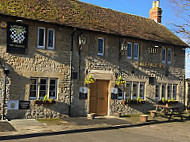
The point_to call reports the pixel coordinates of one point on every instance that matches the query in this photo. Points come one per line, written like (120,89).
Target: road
(171,132)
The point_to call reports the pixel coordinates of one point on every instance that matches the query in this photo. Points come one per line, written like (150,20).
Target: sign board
(17,37)
(114,92)
(13,105)
(83,93)
(24,104)
(187,63)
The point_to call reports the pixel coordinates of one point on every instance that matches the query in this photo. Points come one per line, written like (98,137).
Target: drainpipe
(71,68)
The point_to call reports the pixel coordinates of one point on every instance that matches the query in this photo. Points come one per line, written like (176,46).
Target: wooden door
(99,97)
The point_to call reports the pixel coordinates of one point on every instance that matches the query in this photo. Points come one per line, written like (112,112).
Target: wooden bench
(154,113)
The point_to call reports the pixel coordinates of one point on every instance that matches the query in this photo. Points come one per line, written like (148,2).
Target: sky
(141,8)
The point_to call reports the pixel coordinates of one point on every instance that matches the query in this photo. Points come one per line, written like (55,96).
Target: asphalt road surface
(172,132)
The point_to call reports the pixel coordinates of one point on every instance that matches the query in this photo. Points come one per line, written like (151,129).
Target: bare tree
(182,8)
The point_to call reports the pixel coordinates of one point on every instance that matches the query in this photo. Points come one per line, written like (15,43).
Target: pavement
(28,128)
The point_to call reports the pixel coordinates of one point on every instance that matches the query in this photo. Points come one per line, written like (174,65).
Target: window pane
(100,46)
(128,90)
(163,90)
(157,92)
(169,55)
(164,55)
(51,38)
(135,89)
(33,88)
(141,90)
(174,92)
(43,87)
(41,37)
(120,94)
(53,88)
(129,51)
(169,91)
(136,51)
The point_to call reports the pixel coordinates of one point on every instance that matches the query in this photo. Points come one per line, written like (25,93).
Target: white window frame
(48,47)
(55,88)
(129,57)
(169,49)
(41,47)
(101,54)
(164,61)
(136,58)
(33,98)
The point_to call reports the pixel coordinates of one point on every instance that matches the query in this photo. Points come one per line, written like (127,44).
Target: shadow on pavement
(24,136)
(6,126)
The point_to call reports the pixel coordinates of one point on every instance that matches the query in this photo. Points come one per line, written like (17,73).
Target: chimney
(156,12)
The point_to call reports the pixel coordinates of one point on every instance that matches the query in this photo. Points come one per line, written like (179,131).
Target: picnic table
(170,111)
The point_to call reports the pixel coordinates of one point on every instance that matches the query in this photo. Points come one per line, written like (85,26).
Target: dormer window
(129,50)
(164,55)
(169,55)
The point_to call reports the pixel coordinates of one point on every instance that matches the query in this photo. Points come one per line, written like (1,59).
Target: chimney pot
(157,3)
(153,4)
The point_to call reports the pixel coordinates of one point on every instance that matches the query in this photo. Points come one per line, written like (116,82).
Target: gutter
(71,70)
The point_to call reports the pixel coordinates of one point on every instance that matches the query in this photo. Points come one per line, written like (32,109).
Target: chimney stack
(156,12)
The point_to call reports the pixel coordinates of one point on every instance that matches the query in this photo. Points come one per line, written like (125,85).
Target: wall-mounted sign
(151,65)
(24,104)
(114,92)
(152,50)
(17,37)
(13,105)
(83,93)
(3,24)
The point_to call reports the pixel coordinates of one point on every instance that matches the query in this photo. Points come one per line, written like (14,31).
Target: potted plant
(45,100)
(120,81)
(90,80)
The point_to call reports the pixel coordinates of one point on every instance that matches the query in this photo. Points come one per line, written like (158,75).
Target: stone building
(50,48)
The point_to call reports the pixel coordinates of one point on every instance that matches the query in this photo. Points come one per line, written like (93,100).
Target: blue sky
(139,7)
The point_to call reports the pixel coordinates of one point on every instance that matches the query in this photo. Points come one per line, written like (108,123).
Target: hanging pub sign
(83,93)
(17,37)
(114,92)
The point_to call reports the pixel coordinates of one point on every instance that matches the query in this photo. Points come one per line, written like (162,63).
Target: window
(52,88)
(169,91)
(43,87)
(163,91)
(129,50)
(163,55)
(175,92)
(128,90)
(33,88)
(135,90)
(41,38)
(136,51)
(46,86)
(169,56)
(100,46)
(120,94)
(51,39)
(141,95)
(157,95)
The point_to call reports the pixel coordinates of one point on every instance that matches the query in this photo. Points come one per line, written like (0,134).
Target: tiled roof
(82,15)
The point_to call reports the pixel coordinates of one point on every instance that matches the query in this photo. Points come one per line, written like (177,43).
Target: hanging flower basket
(120,81)
(90,80)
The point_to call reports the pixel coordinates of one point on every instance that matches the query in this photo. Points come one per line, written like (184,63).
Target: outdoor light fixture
(82,40)
(19,21)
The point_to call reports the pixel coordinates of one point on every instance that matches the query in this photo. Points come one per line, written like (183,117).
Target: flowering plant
(90,80)
(120,81)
